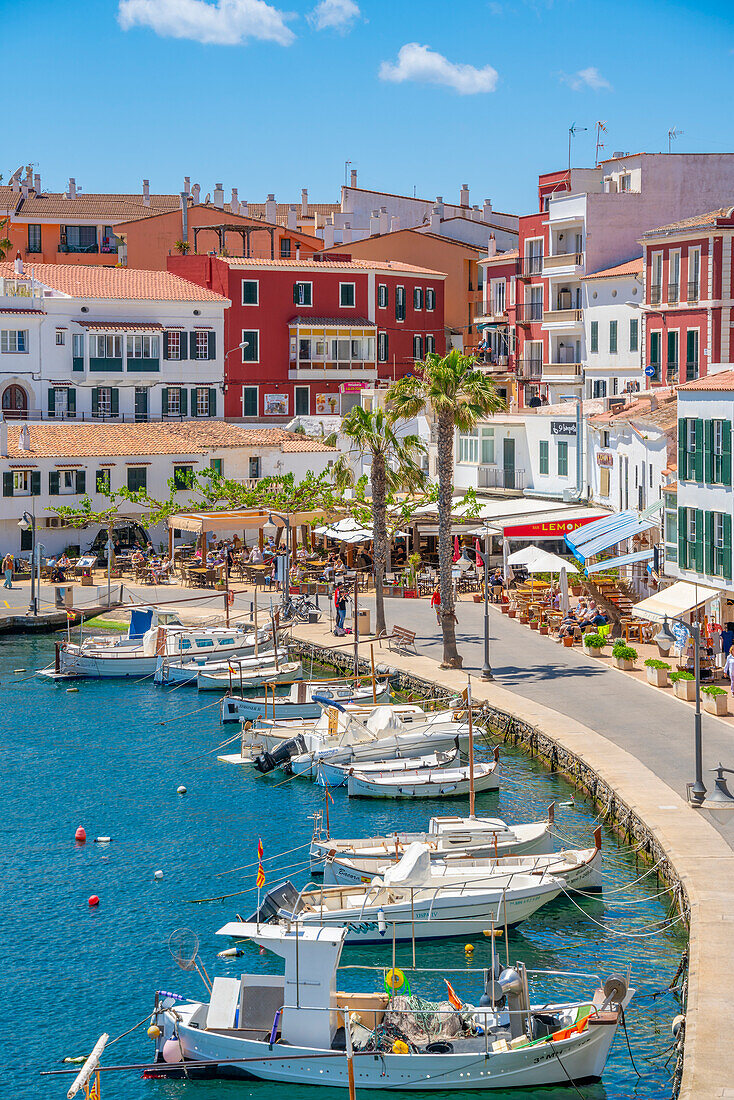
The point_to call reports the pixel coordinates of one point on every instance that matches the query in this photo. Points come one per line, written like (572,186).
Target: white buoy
(230,953)
(181,789)
(69,691)
(102,839)
(158,875)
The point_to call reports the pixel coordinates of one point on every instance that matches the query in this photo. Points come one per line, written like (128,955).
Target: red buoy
(94,900)
(80,835)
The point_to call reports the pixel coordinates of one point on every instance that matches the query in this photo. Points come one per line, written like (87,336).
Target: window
(487,447)
(430,298)
(104,401)
(694,274)
(673,278)
(285,249)
(79,238)
(215,464)
(254,467)
(14,340)
(146,347)
(251,291)
(634,334)
(21,482)
(174,402)
(202,404)
(562,458)
(249,400)
(173,343)
(594,335)
(655,356)
(468,447)
(612,337)
(302,400)
(672,351)
(34,238)
(60,338)
(201,345)
(346,294)
(399,303)
(77,345)
(417,297)
(251,350)
(137,479)
(691,354)
(430,344)
(417,347)
(382,301)
(102,346)
(656,280)
(183,477)
(102,481)
(625,182)
(382,347)
(543,462)
(303,294)
(67,481)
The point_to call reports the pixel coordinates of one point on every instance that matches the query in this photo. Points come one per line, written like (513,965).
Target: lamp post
(27,522)
(272,530)
(665,639)
(486,667)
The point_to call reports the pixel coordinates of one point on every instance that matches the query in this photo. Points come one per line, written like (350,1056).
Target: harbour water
(110,757)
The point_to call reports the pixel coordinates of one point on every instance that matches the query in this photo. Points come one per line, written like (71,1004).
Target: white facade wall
(607,300)
(529,440)
(638,455)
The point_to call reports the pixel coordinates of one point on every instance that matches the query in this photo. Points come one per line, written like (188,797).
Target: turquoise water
(110,757)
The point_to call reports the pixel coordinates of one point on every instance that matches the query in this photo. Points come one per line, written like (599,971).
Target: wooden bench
(400,640)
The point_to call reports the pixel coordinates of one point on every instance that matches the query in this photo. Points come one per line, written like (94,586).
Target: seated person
(569,626)
(398,555)
(57,574)
(255,556)
(497,585)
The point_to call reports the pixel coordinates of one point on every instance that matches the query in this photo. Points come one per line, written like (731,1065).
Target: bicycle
(301,608)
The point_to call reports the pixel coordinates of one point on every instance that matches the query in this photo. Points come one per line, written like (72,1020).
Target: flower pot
(685,689)
(534,624)
(410,593)
(594,650)
(575,589)
(716,704)
(568,640)
(505,608)
(476,596)
(543,629)
(512,613)
(524,619)
(626,666)
(658,677)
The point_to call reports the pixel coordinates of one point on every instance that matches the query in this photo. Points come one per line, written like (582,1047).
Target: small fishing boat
(336,775)
(299,701)
(224,676)
(429,782)
(580,868)
(296,1027)
(176,671)
(472,837)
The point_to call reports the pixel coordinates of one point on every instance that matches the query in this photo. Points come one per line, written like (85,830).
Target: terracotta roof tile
(629,267)
(345,322)
(89,281)
(724,380)
(106,439)
(703,221)
(334,265)
(112,208)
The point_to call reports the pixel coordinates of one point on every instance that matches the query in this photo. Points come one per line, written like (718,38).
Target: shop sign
(550,529)
(563,427)
(276,404)
(603,458)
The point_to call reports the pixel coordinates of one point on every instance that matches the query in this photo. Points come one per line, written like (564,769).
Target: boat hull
(485,779)
(206,681)
(237,710)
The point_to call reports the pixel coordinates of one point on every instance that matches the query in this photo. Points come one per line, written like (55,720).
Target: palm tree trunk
(445,448)
(379,528)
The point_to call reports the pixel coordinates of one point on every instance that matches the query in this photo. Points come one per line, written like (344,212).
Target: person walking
(436,603)
(729,668)
(8,567)
(340,603)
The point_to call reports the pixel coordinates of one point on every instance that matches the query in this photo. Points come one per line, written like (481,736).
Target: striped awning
(623,559)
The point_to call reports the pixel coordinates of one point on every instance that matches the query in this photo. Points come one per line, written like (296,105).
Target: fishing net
(417,1022)
(184,946)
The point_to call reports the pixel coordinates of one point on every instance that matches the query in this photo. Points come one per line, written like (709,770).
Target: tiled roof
(89,281)
(333,265)
(512,254)
(70,440)
(345,322)
(724,380)
(9,198)
(698,221)
(663,416)
(121,326)
(111,208)
(629,267)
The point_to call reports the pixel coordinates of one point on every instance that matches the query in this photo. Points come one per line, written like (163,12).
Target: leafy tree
(5,243)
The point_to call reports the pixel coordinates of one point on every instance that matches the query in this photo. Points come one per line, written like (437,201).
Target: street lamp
(665,639)
(272,530)
(28,523)
(486,667)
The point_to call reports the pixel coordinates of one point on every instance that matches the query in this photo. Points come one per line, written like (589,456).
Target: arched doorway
(15,402)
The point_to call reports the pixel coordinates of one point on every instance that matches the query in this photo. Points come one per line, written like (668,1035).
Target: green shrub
(712,689)
(676,676)
(653,662)
(594,641)
(624,653)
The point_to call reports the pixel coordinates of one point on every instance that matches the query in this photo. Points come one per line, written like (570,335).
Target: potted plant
(534,624)
(505,607)
(593,644)
(715,700)
(511,612)
(684,685)
(657,672)
(568,640)
(543,629)
(524,617)
(624,657)
(477,597)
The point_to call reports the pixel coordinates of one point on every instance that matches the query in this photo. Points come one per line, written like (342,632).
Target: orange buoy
(80,835)
(94,901)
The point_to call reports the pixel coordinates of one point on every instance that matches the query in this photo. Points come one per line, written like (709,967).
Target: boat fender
(102,839)
(171,1051)
(158,876)
(93,901)
(154,1032)
(677,1024)
(381,922)
(469,948)
(72,691)
(230,953)
(399,1047)
(181,789)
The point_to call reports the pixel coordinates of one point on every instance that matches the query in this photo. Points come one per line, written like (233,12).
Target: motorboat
(185,671)
(336,775)
(580,868)
(299,702)
(406,905)
(425,782)
(300,1028)
(228,674)
(472,837)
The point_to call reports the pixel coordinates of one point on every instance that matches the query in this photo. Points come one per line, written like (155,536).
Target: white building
(44,465)
(81,342)
(613,361)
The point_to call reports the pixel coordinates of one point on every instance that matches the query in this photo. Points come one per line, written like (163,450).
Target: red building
(688,297)
(300,332)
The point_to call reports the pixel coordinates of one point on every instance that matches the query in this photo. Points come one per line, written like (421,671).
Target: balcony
(527,312)
(331,370)
(656,295)
(530,370)
(671,372)
(530,265)
(561,370)
(497,477)
(672,294)
(691,369)
(492,363)
(86,248)
(563,263)
(562,316)
(694,291)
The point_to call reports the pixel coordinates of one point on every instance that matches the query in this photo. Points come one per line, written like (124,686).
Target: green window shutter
(710,556)
(295,294)
(699,541)
(682,435)
(81,482)
(51,401)
(612,336)
(35,483)
(683,538)
(95,401)
(212,345)
(727,546)
(53,483)
(726,452)
(165,345)
(183,401)
(115,402)
(164,401)
(594,335)
(212,400)
(193,402)
(71,402)
(698,453)
(8,484)
(708,453)
(184,345)
(634,338)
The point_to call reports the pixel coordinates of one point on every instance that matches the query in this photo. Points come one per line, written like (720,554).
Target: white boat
(298,1028)
(300,703)
(438,782)
(580,868)
(336,775)
(186,671)
(226,675)
(470,836)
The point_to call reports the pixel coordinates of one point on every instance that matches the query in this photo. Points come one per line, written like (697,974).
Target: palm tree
(394,468)
(458,395)
(5,243)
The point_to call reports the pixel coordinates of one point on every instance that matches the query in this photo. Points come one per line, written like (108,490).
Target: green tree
(393,469)
(458,395)
(5,243)
(182,247)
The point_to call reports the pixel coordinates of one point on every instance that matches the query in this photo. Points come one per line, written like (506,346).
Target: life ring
(230,597)
(396,982)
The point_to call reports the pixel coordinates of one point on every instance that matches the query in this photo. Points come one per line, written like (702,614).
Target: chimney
(184,216)
(146,192)
(24,189)
(438,207)
(271,210)
(347,233)
(435,222)
(298,250)
(487,210)
(18,265)
(374,223)
(384,220)
(24,439)
(304,203)
(37,183)
(492,245)
(195,192)
(234,203)
(72,187)
(329,235)
(187,184)
(292,216)
(394,223)
(476,214)
(218,196)
(464,197)
(3,438)
(244,209)
(353,178)
(29,174)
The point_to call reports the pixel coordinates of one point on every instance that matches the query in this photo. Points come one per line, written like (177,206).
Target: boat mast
(471,748)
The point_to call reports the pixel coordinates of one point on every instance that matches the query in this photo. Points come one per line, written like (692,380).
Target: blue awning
(614,563)
(592,538)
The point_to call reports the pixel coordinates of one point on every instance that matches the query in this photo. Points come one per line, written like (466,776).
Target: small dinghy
(186,672)
(438,782)
(227,675)
(299,702)
(336,775)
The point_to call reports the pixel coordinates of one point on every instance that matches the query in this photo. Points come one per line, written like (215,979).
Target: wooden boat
(224,677)
(439,782)
(299,701)
(185,672)
(336,775)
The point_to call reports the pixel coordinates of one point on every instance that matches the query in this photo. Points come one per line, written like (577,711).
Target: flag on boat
(453,999)
(260,848)
(69,614)
(260,872)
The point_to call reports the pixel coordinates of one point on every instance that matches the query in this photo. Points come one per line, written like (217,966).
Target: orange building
(462,288)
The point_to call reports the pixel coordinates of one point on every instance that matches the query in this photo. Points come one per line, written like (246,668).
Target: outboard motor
(513,983)
(283,896)
(267,761)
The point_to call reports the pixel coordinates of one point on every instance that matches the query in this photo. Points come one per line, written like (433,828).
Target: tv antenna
(673,133)
(601,128)
(572,131)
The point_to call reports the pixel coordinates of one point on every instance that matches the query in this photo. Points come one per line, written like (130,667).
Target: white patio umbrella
(506,570)
(563,584)
(524,555)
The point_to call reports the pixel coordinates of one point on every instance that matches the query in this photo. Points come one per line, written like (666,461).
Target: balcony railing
(691,369)
(530,265)
(694,291)
(568,316)
(497,477)
(490,362)
(672,294)
(528,311)
(87,417)
(529,369)
(563,259)
(562,370)
(64,247)
(656,295)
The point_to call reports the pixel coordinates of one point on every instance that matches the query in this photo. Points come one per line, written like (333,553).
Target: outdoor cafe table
(202,575)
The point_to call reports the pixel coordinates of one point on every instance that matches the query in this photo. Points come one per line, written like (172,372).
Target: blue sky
(268,97)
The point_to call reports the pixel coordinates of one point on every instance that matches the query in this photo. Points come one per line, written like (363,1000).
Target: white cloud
(586,78)
(424,65)
(334,15)
(223,23)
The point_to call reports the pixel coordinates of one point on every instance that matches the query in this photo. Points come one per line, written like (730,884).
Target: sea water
(111,756)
